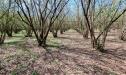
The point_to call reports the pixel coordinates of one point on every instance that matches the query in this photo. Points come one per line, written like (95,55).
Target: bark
(55,34)
(123,34)
(85,34)
(9,33)
(61,31)
(42,43)
(29,33)
(2,38)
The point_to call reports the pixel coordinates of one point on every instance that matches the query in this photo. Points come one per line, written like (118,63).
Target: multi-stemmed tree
(40,15)
(104,16)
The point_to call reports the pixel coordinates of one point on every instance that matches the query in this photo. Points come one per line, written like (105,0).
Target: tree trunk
(9,33)
(100,43)
(55,34)
(85,34)
(2,38)
(61,31)
(123,34)
(98,46)
(42,43)
(29,33)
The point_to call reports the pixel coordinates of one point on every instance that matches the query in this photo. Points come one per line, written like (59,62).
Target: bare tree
(59,24)
(98,42)
(123,29)
(40,15)
(4,19)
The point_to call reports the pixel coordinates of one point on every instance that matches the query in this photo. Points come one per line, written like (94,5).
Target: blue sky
(73,9)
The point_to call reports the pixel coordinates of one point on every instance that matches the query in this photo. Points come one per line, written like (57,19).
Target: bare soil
(73,56)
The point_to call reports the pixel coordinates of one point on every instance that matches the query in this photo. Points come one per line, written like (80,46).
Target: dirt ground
(73,56)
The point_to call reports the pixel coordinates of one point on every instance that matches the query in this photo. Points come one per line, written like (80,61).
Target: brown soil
(74,56)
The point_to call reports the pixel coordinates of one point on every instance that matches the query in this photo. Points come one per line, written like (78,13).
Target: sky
(73,9)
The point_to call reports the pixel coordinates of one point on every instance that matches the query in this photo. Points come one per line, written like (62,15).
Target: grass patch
(20,39)
(17,38)
(53,42)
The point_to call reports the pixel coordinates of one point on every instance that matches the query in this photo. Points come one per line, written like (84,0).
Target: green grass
(53,42)
(20,39)
(17,38)
(14,40)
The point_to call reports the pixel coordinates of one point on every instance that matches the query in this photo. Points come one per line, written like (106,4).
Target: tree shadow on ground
(53,46)
(118,53)
(88,61)
(85,61)
(114,40)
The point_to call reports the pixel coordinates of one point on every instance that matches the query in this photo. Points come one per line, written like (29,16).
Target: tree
(40,15)
(93,16)
(81,25)
(4,19)
(59,24)
(123,29)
